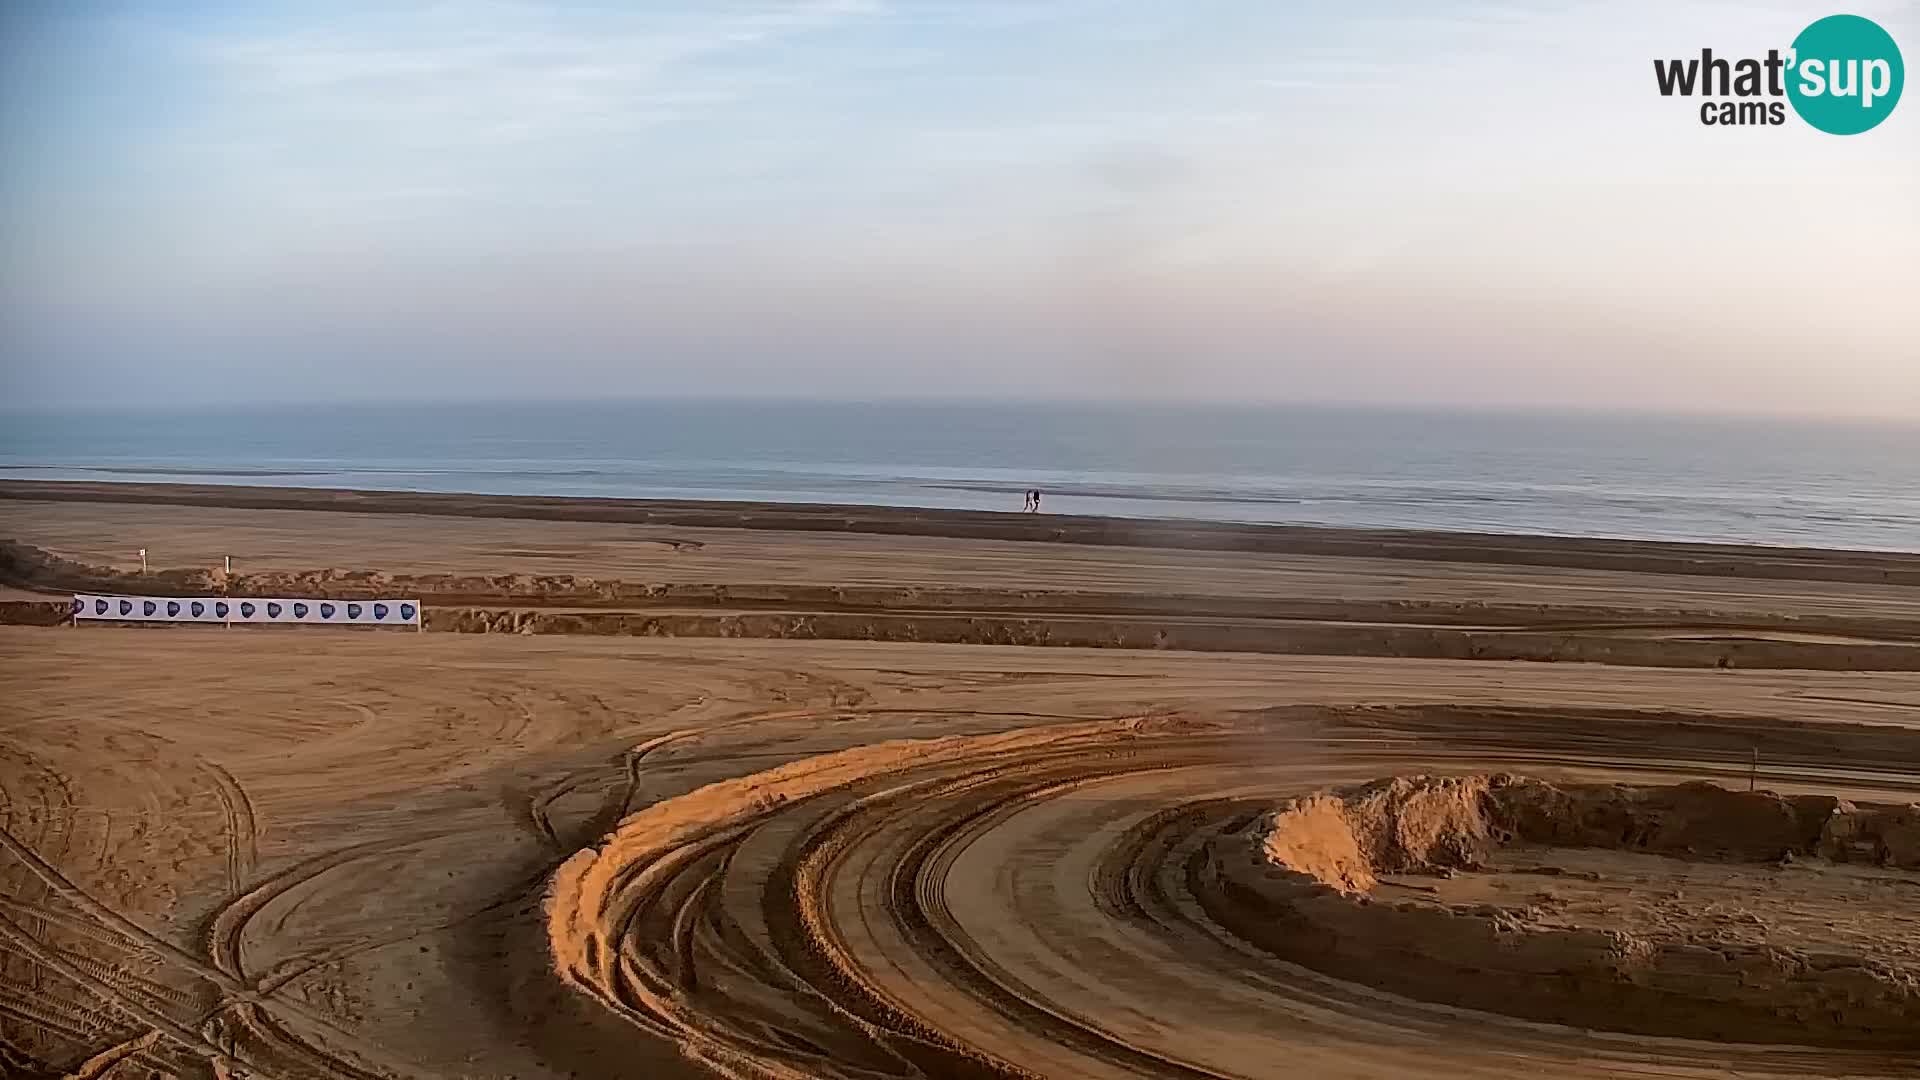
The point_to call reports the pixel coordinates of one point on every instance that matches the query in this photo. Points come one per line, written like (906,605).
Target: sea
(1661,477)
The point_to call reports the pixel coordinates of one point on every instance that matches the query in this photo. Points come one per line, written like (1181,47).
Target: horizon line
(970,400)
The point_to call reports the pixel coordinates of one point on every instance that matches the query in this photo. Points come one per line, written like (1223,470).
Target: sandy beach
(626,839)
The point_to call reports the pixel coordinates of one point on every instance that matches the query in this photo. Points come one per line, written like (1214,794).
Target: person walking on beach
(1026,504)
(1033,501)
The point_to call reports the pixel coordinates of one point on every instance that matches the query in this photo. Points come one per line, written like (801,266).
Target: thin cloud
(519,72)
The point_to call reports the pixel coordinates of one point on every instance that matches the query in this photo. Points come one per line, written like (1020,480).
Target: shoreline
(1645,556)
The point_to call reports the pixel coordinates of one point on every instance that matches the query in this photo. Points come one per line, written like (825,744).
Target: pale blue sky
(1384,203)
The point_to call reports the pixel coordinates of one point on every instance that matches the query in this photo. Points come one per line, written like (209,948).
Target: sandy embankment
(447,855)
(1672,939)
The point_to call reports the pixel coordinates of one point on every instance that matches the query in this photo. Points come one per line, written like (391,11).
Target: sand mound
(1394,825)
(1313,880)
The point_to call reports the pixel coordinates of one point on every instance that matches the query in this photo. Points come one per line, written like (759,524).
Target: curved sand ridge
(1065,901)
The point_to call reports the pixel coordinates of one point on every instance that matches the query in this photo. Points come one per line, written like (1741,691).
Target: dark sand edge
(1644,556)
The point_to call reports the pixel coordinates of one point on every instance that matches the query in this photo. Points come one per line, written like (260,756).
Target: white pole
(143,560)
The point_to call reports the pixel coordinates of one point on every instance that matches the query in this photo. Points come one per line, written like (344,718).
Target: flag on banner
(226,609)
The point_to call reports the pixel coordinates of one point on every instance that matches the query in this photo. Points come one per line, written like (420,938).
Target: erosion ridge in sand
(562,855)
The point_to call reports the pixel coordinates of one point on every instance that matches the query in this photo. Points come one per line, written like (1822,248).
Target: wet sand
(1771,563)
(449,855)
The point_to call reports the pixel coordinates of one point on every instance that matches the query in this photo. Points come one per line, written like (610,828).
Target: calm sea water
(1773,482)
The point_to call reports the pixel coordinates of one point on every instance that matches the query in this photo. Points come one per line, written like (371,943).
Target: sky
(1401,203)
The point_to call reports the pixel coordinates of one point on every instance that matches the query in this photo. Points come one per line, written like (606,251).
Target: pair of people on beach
(1033,501)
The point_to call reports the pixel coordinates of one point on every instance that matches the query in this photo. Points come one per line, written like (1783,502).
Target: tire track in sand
(243,851)
(237,999)
(863,916)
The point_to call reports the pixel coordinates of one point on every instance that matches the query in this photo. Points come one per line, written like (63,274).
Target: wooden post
(143,561)
(1753,774)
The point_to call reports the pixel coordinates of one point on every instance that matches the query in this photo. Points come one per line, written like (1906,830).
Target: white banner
(246,609)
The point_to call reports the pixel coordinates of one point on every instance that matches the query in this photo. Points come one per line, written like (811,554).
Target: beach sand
(316,853)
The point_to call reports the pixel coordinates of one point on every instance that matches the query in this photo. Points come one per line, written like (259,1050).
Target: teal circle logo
(1846,74)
